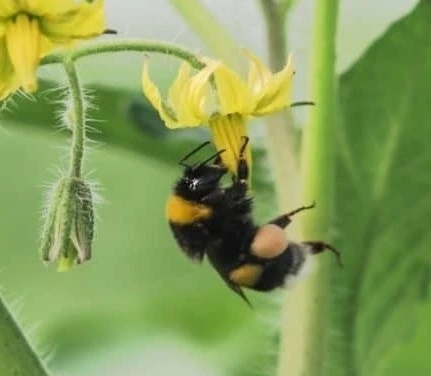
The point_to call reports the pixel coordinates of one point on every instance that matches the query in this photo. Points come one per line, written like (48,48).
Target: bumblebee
(213,220)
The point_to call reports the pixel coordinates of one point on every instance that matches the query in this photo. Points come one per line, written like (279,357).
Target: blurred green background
(140,307)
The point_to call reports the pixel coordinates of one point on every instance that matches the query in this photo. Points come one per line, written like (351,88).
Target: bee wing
(225,276)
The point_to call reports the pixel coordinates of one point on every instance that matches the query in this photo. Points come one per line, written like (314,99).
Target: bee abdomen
(284,269)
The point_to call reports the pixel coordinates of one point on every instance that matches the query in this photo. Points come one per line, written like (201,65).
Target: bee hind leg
(284,219)
(318,247)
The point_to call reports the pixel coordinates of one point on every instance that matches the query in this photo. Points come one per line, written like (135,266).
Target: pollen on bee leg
(269,242)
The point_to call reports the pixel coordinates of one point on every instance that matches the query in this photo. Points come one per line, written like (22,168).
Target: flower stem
(281,134)
(135,45)
(306,316)
(78,119)
(215,36)
(17,358)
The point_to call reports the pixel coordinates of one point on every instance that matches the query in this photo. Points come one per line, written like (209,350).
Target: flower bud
(69,227)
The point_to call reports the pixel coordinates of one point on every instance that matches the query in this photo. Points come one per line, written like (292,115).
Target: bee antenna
(183,164)
(210,158)
(182,161)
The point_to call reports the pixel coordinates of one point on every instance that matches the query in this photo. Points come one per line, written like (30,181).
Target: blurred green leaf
(118,117)
(138,284)
(384,196)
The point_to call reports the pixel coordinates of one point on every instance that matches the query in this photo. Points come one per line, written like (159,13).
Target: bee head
(202,178)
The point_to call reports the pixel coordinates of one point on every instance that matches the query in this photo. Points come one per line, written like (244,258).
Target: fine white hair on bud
(69,223)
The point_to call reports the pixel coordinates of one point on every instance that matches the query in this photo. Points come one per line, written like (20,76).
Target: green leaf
(384,195)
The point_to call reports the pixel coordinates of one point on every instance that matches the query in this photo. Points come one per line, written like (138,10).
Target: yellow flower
(29,29)
(192,100)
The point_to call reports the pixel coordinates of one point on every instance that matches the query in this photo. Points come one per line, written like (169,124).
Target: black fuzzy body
(208,219)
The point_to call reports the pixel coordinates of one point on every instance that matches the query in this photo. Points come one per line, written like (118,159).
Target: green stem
(215,36)
(281,133)
(121,46)
(17,358)
(78,119)
(307,311)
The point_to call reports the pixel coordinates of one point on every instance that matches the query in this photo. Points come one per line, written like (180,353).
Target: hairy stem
(131,45)
(78,119)
(17,358)
(306,315)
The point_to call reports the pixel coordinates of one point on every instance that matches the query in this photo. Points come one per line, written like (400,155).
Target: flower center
(23,38)
(227,133)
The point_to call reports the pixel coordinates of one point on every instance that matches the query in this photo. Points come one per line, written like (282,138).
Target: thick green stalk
(215,36)
(17,358)
(281,134)
(306,316)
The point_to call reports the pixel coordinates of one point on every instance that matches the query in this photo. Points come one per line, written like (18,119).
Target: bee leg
(215,197)
(242,168)
(237,192)
(318,247)
(283,220)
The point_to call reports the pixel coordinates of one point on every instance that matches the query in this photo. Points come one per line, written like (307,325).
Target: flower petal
(8,81)
(177,99)
(153,95)
(258,74)
(179,86)
(40,7)
(277,94)
(78,21)
(2,28)
(8,8)
(233,94)
(227,133)
(196,96)
(23,46)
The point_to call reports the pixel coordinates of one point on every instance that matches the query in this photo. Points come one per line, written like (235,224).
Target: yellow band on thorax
(181,211)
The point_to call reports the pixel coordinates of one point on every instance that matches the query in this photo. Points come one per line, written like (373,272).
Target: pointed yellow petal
(153,95)
(187,101)
(43,7)
(79,21)
(8,8)
(227,133)
(233,94)
(45,46)
(196,96)
(179,86)
(8,80)
(277,94)
(2,30)
(23,45)
(258,74)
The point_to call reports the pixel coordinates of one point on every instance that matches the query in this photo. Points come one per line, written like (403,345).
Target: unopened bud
(69,227)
